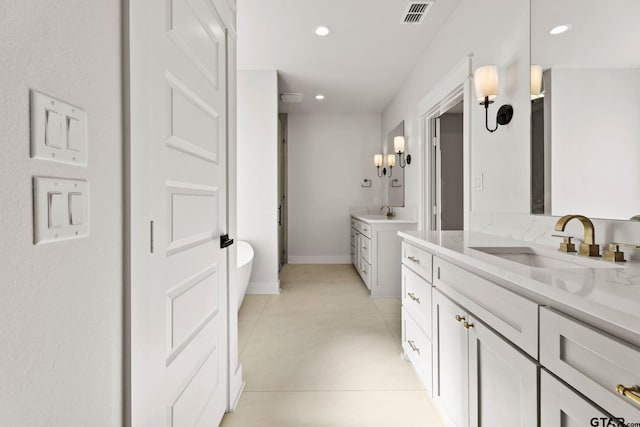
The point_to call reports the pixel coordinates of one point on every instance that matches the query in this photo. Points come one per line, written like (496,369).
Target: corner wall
(258,174)
(61,309)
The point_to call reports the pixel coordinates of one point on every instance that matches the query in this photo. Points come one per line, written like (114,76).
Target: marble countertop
(382,219)
(604,290)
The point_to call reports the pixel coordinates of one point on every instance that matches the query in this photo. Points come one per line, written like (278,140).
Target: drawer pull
(459,318)
(414,259)
(630,392)
(413,346)
(364,247)
(414,297)
(467,325)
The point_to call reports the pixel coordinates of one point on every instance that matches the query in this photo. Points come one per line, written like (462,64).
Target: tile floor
(325,354)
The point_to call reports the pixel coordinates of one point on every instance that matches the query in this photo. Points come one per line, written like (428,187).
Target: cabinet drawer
(562,407)
(365,249)
(365,272)
(418,260)
(361,227)
(354,237)
(591,361)
(417,347)
(416,299)
(512,315)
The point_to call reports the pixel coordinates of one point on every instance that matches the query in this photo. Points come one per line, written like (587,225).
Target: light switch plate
(58,130)
(60,209)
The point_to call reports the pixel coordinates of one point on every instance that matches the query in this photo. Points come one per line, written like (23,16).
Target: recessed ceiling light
(321,31)
(319,97)
(560,29)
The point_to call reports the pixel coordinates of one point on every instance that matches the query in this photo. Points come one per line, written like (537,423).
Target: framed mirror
(585,108)
(395,175)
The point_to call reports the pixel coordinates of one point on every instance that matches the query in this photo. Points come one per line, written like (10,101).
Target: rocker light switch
(56,210)
(61,209)
(76,207)
(54,132)
(75,135)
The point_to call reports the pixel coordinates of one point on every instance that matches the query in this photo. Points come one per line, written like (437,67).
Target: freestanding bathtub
(245,262)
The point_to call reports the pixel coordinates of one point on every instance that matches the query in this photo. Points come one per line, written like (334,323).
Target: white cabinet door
(562,407)
(450,361)
(503,381)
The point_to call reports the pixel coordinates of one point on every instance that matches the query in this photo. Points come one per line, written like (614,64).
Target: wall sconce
(486,82)
(378,163)
(537,91)
(398,148)
(391,162)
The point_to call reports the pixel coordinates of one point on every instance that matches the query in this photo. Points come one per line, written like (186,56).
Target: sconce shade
(377,160)
(536,81)
(391,159)
(485,80)
(398,144)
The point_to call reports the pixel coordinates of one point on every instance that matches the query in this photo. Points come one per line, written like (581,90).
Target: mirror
(395,175)
(585,108)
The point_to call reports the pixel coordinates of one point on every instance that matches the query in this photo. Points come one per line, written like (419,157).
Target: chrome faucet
(588,247)
(390,213)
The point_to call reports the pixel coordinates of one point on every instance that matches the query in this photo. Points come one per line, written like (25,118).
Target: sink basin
(536,258)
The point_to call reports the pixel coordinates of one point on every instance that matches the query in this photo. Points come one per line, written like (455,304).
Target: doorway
(445,139)
(447,168)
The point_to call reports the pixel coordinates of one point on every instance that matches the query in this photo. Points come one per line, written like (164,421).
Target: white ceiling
(359,66)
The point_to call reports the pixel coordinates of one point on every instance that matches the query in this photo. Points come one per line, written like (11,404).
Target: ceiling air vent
(291,98)
(416,11)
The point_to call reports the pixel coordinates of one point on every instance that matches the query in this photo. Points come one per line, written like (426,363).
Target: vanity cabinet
(375,254)
(480,379)
(504,351)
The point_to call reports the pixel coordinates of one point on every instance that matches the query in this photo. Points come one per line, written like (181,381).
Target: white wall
(61,308)
(496,32)
(329,157)
(258,174)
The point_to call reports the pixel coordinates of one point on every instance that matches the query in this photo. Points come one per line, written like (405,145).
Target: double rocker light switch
(58,130)
(60,209)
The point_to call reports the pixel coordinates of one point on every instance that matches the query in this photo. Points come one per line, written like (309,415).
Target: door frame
(137,205)
(455,87)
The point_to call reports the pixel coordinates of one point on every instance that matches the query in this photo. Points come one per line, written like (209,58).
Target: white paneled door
(181,379)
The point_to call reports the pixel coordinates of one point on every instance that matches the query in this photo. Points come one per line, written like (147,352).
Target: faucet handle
(614,253)
(566,245)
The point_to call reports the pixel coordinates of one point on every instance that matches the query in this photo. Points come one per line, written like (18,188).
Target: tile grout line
(255,324)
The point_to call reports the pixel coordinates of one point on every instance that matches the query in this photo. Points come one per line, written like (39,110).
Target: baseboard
(236,389)
(264,288)
(329,259)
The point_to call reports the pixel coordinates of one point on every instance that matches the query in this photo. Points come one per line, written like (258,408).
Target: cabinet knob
(459,318)
(630,392)
(467,325)
(414,297)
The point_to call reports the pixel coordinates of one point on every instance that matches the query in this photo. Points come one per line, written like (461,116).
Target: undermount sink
(537,258)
